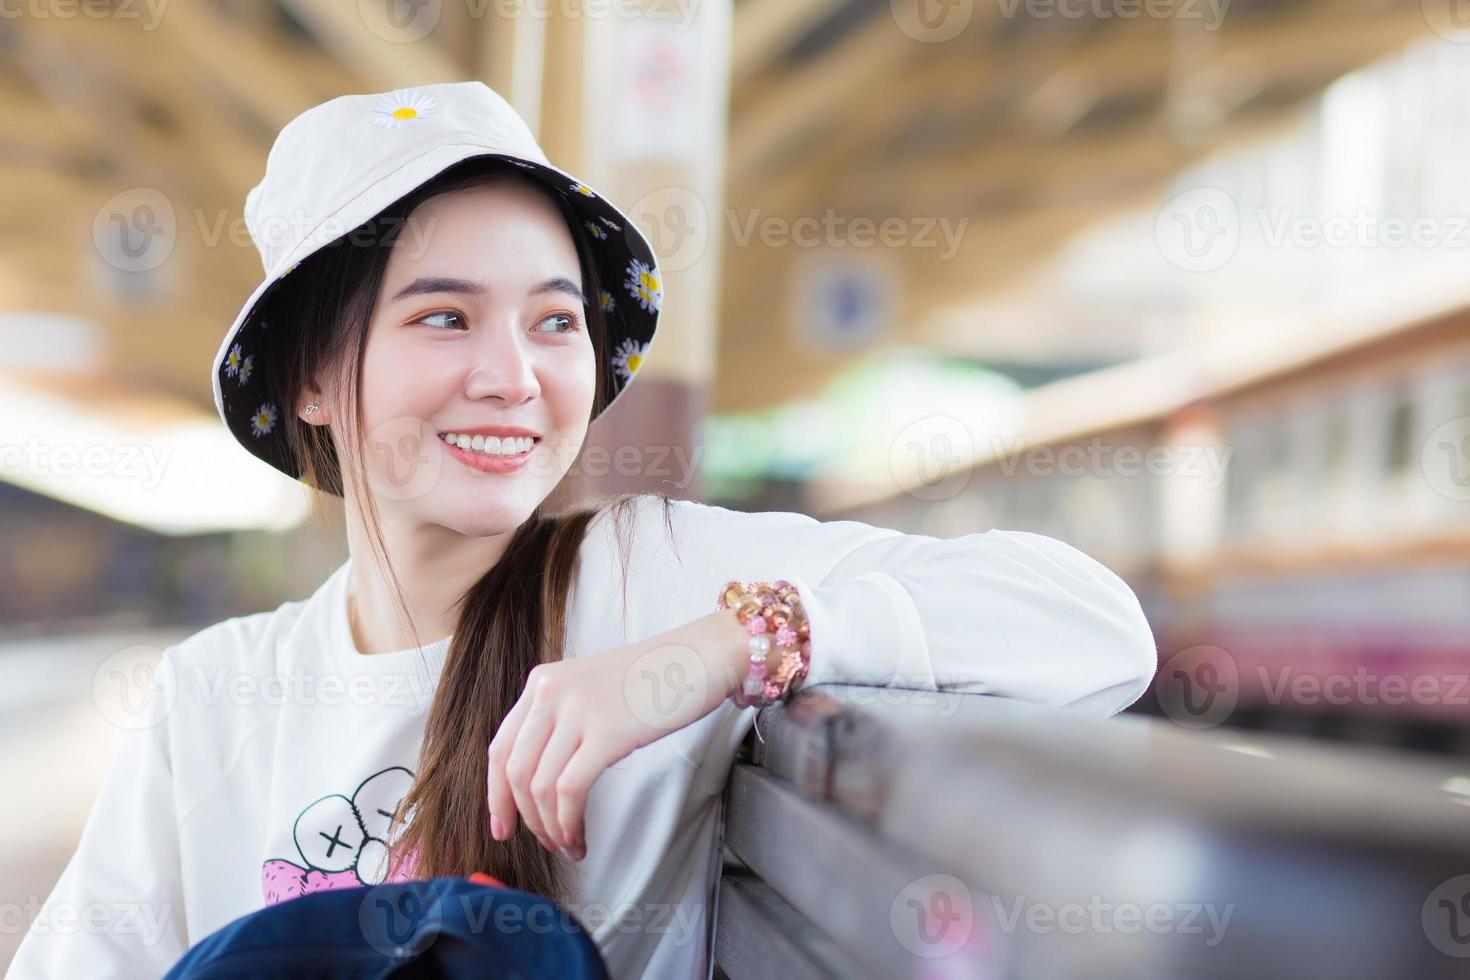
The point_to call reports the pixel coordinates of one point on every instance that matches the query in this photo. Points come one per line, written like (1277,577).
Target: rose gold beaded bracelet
(780,638)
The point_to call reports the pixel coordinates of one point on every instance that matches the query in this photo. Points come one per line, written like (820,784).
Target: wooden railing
(880,833)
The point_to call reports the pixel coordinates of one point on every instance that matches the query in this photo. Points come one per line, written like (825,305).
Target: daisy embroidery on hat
(232,362)
(245,368)
(595,230)
(605,298)
(583,189)
(644,284)
(629,358)
(396,108)
(264,420)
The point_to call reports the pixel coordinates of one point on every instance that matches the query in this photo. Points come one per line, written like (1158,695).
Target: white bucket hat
(340,163)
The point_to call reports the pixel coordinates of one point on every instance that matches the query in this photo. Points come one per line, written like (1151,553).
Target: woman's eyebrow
(444,284)
(560,284)
(438,284)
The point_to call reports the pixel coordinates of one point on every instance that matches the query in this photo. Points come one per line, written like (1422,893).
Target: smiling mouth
(491,447)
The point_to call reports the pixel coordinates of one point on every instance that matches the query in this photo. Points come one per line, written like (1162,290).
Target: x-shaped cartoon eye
(328,834)
(376,801)
(379,797)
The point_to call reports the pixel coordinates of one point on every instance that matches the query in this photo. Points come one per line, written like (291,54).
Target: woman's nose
(503,367)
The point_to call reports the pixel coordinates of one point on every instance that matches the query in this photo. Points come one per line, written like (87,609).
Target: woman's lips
(486,463)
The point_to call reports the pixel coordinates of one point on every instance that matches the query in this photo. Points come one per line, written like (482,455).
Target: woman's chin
(480,515)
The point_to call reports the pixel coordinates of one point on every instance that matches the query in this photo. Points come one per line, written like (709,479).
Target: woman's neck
(434,566)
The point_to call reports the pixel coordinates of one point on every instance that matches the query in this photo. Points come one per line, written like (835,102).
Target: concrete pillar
(637,106)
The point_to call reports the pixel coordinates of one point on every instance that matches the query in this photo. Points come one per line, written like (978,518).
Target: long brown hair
(514,617)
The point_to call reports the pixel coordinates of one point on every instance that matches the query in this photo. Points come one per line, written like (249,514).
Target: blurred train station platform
(1185,285)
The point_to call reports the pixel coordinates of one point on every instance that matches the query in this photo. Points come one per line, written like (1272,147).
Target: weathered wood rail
(877,833)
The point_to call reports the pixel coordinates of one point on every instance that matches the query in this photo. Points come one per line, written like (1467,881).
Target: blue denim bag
(437,927)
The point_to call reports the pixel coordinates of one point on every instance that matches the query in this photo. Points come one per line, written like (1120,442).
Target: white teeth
(490,445)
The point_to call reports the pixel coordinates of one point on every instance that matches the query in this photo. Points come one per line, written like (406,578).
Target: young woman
(443,316)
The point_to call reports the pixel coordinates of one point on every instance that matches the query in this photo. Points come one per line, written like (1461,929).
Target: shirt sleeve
(117,910)
(1006,613)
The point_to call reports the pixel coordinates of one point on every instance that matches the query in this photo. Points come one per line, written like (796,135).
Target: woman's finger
(564,740)
(577,777)
(521,764)
(497,786)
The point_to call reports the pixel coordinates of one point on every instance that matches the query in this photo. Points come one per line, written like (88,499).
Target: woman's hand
(577,717)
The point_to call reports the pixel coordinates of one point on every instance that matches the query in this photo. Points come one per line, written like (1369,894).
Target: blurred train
(1294,514)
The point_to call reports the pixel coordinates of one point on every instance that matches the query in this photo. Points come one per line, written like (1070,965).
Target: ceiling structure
(1030,127)
(188,108)
(1027,127)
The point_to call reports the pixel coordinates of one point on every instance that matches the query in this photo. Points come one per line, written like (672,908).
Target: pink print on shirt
(342,842)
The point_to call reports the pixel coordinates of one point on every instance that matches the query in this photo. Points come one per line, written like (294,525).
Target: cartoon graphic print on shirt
(342,842)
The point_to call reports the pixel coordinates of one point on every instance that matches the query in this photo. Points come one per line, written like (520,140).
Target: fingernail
(497,829)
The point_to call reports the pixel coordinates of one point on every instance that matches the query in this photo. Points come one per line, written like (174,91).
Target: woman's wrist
(726,649)
(723,645)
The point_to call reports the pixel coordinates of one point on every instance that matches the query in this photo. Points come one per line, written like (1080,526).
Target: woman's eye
(439,316)
(569,321)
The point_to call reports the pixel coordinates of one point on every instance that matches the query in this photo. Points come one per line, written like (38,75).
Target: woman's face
(480,326)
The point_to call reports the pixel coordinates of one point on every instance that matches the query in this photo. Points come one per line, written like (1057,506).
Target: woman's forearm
(715,648)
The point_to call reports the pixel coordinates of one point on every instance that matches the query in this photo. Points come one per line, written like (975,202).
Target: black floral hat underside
(630,296)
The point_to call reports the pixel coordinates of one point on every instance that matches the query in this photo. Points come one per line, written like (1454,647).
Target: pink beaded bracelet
(780,638)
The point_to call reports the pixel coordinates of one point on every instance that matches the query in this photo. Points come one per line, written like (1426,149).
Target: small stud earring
(312,408)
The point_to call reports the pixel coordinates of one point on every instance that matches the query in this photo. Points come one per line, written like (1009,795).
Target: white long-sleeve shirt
(271,751)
